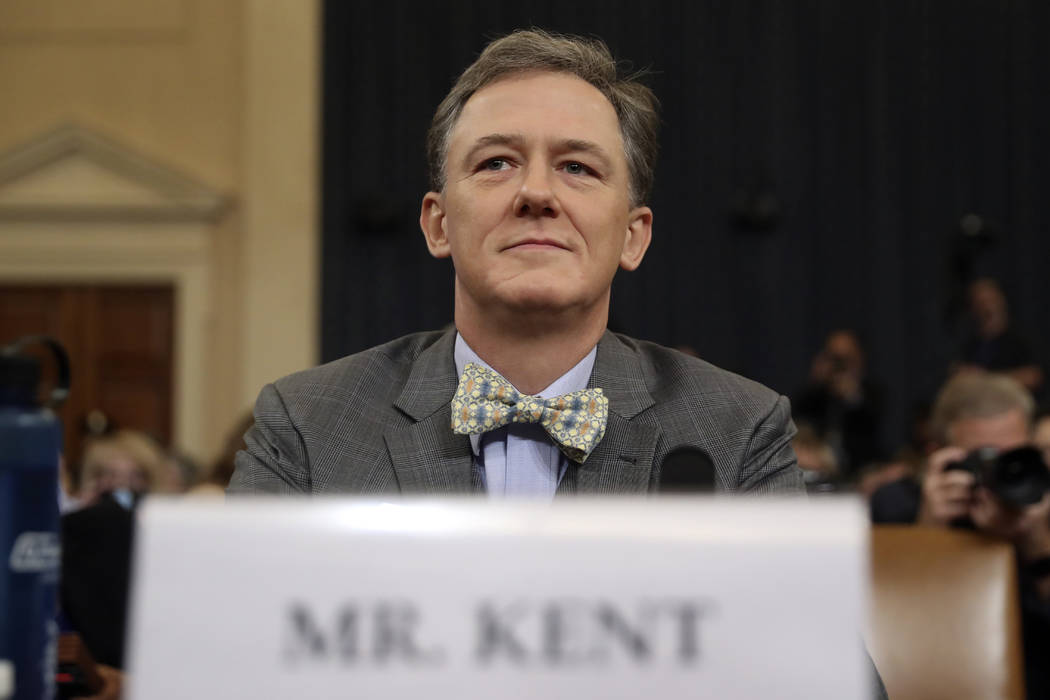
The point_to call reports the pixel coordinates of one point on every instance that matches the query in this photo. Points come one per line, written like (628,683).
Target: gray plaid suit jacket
(378,422)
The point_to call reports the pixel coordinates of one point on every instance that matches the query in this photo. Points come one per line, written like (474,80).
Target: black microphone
(687,470)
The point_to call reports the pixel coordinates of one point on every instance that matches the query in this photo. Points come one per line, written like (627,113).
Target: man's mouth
(537,244)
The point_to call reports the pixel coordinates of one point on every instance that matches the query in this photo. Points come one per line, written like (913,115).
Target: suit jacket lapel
(623,461)
(427,456)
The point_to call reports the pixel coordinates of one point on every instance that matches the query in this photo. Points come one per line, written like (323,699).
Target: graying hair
(978,396)
(524,51)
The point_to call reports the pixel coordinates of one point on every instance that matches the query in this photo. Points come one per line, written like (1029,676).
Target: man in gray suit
(541,161)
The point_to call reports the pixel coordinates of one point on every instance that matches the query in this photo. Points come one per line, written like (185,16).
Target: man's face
(117,471)
(845,352)
(988,304)
(536,212)
(1004,431)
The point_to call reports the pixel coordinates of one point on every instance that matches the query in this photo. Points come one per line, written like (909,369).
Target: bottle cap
(7,679)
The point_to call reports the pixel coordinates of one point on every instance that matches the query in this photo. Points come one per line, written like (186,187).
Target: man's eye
(574,168)
(494,164)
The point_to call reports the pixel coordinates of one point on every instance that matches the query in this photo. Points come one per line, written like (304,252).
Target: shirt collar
(574,380)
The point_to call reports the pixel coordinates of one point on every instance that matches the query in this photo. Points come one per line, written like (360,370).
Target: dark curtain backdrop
(816,160)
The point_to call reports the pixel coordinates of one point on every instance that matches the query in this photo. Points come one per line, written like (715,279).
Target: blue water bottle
(30,554)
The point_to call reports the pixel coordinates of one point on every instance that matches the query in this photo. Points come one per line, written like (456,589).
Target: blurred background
(159,205)
(198,197)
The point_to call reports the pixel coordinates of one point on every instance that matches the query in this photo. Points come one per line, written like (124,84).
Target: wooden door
(120,342)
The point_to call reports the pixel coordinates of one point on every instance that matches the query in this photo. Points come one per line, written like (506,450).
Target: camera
(1019,477)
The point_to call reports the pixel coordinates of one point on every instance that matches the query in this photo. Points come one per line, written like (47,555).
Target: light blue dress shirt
(521,459)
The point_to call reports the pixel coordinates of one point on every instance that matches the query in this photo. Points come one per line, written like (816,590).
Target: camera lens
(1019,477)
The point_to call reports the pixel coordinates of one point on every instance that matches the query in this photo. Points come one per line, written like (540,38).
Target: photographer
(843,406)
(971,413)
(994,345)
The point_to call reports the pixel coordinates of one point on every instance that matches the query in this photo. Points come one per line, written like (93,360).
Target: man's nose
(536,197)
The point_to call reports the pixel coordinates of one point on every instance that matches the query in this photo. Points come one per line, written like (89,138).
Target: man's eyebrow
(515,140)
(589,147)
(518,141)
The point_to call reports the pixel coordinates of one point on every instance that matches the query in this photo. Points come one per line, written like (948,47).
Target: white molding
(133,253)
(175,196)
(133,222)
(92,252)
(80,206)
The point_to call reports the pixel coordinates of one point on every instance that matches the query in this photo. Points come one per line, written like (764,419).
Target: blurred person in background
(179,473)
(903,467)
(116,470)
(842,404)
(976,412)
(125,462)
(907,463)
(993,345)
(1041,434)
(816,459)
(125,459)
(971,411)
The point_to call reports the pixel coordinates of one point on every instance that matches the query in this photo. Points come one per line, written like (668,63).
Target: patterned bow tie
(486,401)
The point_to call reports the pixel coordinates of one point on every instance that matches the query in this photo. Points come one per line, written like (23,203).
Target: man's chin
(541,299)
(540,302)
(538,295)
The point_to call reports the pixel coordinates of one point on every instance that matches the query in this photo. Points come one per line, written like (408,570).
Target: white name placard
(659,598)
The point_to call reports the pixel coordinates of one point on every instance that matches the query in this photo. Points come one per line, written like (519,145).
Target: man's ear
(432,221)
(636,241)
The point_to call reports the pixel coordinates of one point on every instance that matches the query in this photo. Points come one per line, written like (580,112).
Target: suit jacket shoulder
(372,379)
(309,424)
(673,378)
(742,425)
